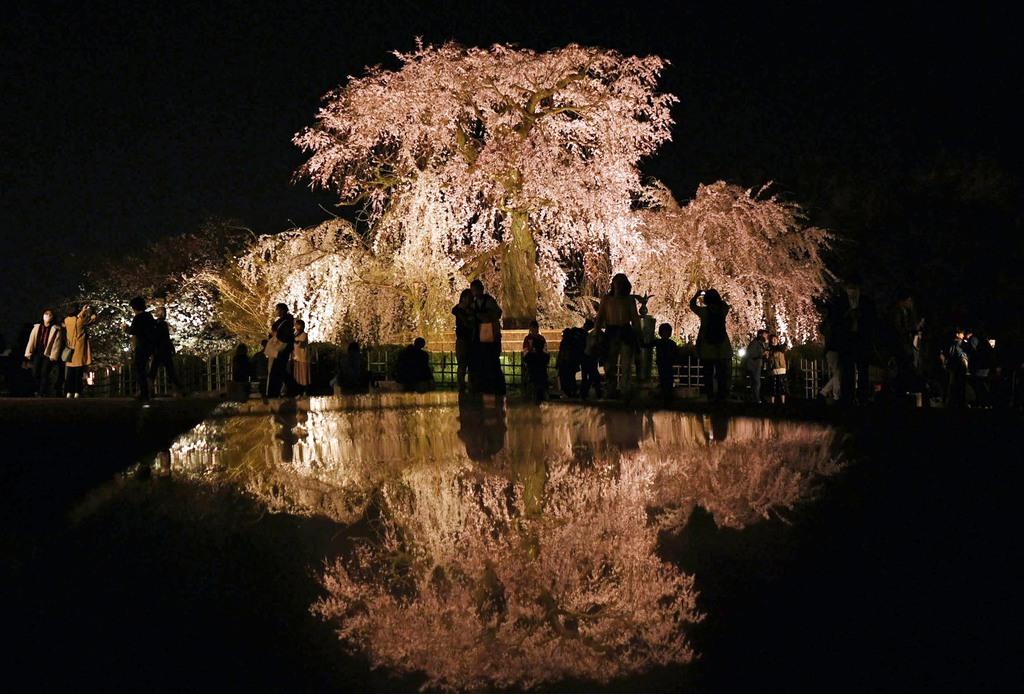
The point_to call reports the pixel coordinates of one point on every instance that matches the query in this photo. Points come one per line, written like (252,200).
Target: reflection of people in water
(481,425)
(715,427)
(719,426)
(625,428)
(286,419)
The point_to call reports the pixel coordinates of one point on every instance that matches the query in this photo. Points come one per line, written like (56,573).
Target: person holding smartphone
(713,346)
(78,352)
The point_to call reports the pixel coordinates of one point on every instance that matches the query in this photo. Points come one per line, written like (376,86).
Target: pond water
(471,544)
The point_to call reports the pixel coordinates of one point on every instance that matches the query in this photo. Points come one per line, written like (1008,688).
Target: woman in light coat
(300,356)
(76,338)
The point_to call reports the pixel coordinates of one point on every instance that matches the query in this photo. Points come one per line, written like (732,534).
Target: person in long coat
(163,351)
(300,356)
(282,335)
(76,337)
(487,377)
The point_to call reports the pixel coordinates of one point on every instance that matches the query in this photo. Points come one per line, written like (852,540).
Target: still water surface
(505,546)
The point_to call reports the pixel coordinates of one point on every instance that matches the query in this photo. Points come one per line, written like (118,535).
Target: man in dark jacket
(283,328)
(570,359)
(666,357)
(853,319)
(163,350)
(412,367)
(143,336)
(487,319)
(956,361)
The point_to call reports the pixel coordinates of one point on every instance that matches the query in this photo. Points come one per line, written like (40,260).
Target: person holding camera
(77,353)
(713,346)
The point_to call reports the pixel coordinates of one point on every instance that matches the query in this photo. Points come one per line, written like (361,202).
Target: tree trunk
(519,273)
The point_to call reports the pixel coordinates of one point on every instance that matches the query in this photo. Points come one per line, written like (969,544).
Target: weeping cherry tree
(500,160)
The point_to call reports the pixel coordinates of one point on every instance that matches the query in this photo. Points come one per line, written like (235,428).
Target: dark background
(893,126)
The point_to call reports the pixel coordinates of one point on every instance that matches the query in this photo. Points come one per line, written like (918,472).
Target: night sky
(123,126)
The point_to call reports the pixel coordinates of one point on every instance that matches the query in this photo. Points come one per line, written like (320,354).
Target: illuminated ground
(474,545)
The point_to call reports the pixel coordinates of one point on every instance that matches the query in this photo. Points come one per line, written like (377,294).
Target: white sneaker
(68,396)
(76,395)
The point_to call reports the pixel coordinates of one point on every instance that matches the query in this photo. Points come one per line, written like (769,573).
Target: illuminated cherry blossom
(497,157)
(754,248)
(328,277)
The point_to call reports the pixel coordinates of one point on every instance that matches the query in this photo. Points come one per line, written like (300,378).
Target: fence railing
(214,373)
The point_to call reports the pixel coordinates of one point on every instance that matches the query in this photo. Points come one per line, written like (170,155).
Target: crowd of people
(620,337)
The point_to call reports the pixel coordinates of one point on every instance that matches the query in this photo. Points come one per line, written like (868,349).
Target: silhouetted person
(908,332)
(163,350)
(241,372)
(666,356)
(593,352)
(280,343)
(487,319)
(713,346)
(143,336)
(617,316)
(981,362)
(465,336)
(43,351)
(533,336)
(833,388)
(954,358)
(777,364)
(353,370)
(536,363)
(754,362)
(260,366)
(854,317)
(412,368)
(570,359)
(241,369)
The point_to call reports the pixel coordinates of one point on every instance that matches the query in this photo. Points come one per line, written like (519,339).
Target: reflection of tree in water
(466,586)
(515,546)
